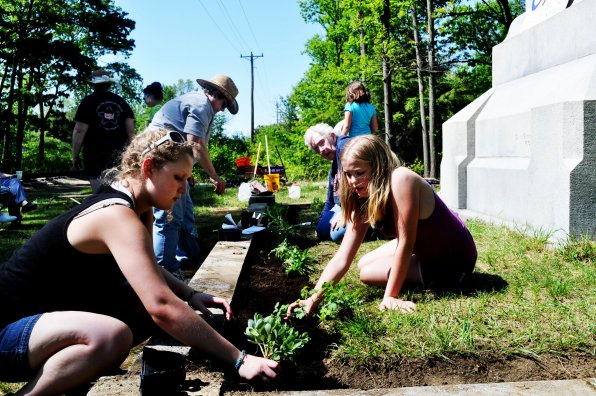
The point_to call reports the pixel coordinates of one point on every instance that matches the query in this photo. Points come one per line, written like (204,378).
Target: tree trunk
(8,121)
(431,87)
(362,46)
(387,75)
(420,90)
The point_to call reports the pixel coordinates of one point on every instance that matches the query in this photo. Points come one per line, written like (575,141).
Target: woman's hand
(202,301)
(336,222)
(255,367)
(397,305)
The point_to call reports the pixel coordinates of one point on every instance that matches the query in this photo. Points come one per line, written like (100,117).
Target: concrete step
(577,387)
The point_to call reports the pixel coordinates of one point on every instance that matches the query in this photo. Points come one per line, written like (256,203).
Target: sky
(190,39)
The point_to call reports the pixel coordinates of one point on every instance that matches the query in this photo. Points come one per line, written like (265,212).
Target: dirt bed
(263,283)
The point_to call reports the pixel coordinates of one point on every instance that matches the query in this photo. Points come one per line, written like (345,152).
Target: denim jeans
(175,241)
(15,187)
(324,231)
(14,348)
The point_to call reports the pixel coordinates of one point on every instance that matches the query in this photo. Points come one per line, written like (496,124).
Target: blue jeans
(324,230)
(15,187)
(175,241)
(14,346)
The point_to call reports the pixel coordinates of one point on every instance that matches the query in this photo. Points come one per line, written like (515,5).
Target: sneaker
(29,207)
(4,218)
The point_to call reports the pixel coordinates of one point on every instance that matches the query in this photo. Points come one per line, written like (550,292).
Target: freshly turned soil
(263,283)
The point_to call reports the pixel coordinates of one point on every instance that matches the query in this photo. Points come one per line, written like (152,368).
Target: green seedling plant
(295,260)
(281,251)
(278,225)
(275,338)
(298,262)
(336,298)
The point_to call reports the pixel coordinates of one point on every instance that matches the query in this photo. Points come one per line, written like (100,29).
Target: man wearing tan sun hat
(190,114)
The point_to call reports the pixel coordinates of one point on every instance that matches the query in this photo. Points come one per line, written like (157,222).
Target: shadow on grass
(476,284)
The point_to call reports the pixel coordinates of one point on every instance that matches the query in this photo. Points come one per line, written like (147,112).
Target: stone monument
(522,154)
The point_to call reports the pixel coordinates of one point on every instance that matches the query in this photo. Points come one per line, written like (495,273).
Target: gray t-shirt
(189,113)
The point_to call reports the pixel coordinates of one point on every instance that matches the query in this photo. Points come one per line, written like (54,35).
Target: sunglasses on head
(170,136)
(218,95)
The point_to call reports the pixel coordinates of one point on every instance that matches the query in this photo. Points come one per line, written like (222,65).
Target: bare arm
(337,266)
(78,135)
(405,193)
(164,299)
(201,154)
(347,123)
(374,124)
(129,124)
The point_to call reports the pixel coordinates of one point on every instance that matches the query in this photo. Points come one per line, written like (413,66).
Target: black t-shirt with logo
(105,113)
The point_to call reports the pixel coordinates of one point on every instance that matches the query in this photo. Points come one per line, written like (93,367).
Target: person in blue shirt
(191,114)
(360,116)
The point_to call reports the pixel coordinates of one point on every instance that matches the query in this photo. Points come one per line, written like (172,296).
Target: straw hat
(226,86)
(100,77)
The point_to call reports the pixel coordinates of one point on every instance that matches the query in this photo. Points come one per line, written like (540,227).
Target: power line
(249,27)
(218,27)
(232,25)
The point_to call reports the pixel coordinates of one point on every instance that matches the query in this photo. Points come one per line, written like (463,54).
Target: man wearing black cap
(104,124)
(191,114)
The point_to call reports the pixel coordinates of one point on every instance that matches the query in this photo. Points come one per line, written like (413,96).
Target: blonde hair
(357,92)
(131,158)
(372,150)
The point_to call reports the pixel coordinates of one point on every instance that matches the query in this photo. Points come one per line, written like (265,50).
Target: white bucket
(244,192)
(294,192)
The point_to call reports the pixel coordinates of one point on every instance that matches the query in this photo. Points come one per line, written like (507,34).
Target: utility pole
(252,93)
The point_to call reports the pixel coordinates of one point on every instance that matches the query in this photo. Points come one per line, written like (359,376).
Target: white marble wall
(523,153)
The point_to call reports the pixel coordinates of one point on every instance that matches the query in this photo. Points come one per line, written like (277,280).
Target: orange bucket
(272,180)
(243,161)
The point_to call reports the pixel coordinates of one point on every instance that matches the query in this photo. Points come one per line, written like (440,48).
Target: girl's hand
(397,305)
(307,305)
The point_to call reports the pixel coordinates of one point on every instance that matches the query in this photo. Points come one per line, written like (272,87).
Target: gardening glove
(397,305)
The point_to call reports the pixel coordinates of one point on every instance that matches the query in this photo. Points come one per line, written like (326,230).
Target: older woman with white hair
(328,142)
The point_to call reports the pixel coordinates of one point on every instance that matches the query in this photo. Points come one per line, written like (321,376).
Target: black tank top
(47,274)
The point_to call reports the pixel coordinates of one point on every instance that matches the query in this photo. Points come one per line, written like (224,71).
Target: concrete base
(578,387)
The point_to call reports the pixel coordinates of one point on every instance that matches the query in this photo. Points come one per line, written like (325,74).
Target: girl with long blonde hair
(430,244)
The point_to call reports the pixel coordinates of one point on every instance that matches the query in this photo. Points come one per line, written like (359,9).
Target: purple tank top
(443,235)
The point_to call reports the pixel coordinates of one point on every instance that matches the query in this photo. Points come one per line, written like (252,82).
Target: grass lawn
(525,298)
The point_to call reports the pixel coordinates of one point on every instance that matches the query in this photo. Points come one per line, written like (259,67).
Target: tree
(49,50)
